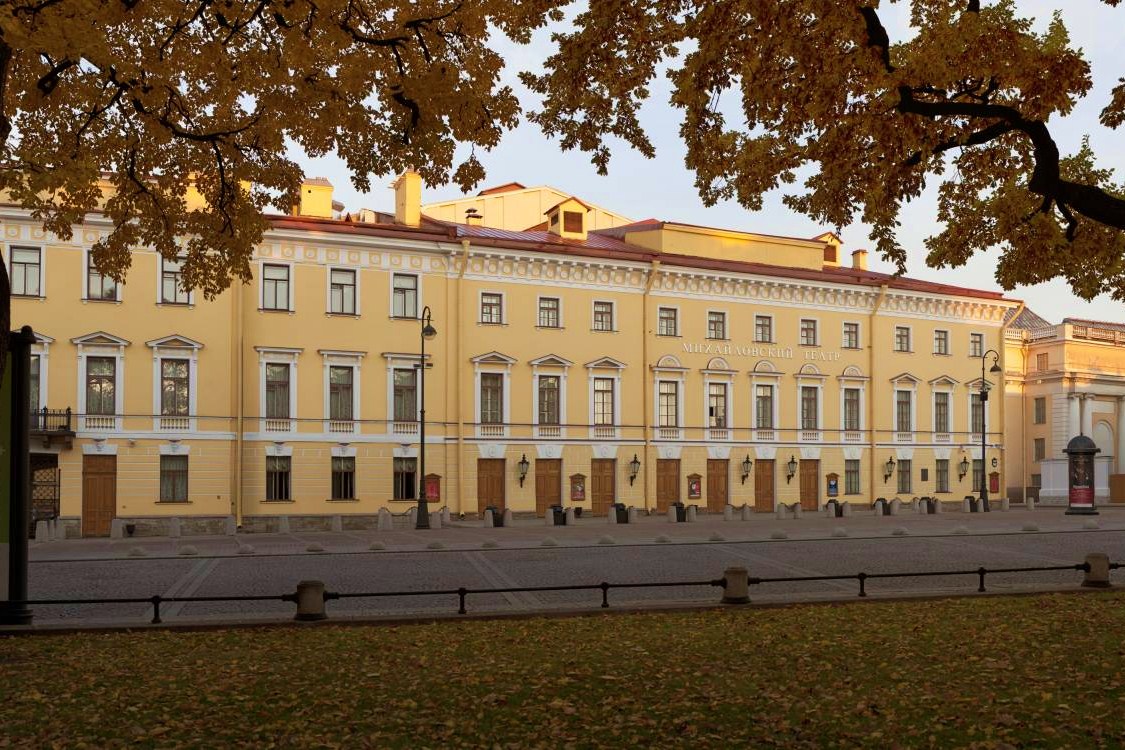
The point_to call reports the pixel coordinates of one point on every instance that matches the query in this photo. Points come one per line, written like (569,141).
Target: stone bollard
(937,505)
(435,519)
(53,530)
(847,509)
(1097,577)
(283,524)
(896,506)
(728,512)
(632,514)
(507,518)
(337,523)
(229,526)
(797,510)
(746,512)
(780,512)
(671,514)
(41,532)
(549,517)
(117,528)
(737,588)
(488,522)
(446,516)
(310,601)
(920,507)
(1005,504)
(412,517)
(689,516)
(175,528)
(966,506)
(570,516)
(1029,503)
(828,511)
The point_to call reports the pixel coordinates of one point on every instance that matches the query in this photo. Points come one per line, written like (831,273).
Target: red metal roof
(507,187)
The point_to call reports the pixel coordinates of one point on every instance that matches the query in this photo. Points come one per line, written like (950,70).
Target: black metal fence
(604,587)
(52,420)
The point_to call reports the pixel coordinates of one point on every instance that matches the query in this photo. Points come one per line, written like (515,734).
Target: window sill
(29,296)
(903,351)
(717,338)
(330,314)
(275,310)
(669,335)
(810,346)
(280,502)
(605,330)
(942,354)
(412,500)
(343,500)
(551,328)
(852,348)
(102,301)
(487,323)
(767,343)
(414,318)
(182,305)
(173,502)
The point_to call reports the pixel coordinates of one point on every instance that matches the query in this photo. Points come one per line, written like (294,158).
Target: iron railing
(604,587)
(51,420)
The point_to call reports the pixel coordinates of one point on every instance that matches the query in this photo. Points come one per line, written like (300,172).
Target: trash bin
(577,512)
(974,504)
(931,505)
(621,511)
(837,508)
(559,514)
(681,512)
(497,515)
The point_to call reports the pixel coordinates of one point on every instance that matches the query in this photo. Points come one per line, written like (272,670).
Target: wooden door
(810,484)
(603,485)
(763,485)
(718,469)
(490,484)
(667,483)
(99,494)
(548,484)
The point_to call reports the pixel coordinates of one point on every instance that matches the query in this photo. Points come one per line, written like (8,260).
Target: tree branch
(877,37)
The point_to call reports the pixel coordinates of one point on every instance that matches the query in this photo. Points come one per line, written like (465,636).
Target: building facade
(644,364)
(1061,381)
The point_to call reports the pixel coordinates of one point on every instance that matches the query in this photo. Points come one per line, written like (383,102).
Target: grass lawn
(989,672)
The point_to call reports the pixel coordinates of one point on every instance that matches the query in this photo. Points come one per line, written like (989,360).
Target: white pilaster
(1088,415)
(1121,434)
(1073,417)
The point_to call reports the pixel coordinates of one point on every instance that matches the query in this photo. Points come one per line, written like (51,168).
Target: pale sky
(663,188)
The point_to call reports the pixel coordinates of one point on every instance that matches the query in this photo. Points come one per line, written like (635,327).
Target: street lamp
(983,421)
(634,469)
(747,464)
(428,332)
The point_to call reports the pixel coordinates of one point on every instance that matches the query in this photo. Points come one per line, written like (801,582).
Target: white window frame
(901,435)
(975,387)
(857,382)
(983,344)
(858,335)
(816,330)
(480,308)
(554,366)
(726,325)
(160,260)
(948,342)
(773,329)
(262,263)
(340,358)
(328,289)
(402,361)
(499,364)
(811,380)
(42,349)
(539,301)
(611,369)
(612,315)
(670,373)
(718,433)
(419,304)
(944,385)
(42,250)
(175,347)
(119,286)
(277,356)
(773,379)
(116,350)
(909,339)
(675,308)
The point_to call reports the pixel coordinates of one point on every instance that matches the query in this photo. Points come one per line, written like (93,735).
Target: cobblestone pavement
(532,554)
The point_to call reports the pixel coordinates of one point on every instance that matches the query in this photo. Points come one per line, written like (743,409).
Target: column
(1121,434)
(1088,415)
(1072,417)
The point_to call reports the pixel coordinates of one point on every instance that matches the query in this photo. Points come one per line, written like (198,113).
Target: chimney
(316,198)
(859,260)
(408,198)
(473,217)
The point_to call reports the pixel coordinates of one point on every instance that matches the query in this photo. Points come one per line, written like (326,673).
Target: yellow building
(1061,381)
(641,363)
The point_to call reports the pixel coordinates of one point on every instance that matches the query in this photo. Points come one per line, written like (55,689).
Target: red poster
(1081,496)
(433,488)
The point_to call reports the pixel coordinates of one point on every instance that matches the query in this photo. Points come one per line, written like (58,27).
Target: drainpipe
(457,384)
(871,381)
(1002,387)
(239,388)
(646,386)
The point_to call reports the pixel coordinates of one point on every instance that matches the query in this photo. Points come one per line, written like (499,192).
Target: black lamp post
(428,332)
(984,422)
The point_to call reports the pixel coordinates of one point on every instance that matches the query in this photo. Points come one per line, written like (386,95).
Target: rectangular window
(1041,362)
(941,342)
(941,472)
(172,290)
(341,291)
(404,295)
(549,399)
(1037,480)
(717,405)
(1040,449)
(851,335)
(763,329)
(716,325)
(405,395)
(343,478)
(763,407)
(977,410)
(491,398)
(34,387)
(572,222)
(669,404)
(1041,410)
(808,332)
(101,386)
(340,401)
(98,285)
(491,309)
(904,401)
(976,344)
(174,387)
(902,339)
(603,401)
(941,412)
(277,477)
(978,473)
(405,484)
(173,479)
(549,312)
(904,475)
(277,391)
(667,322)
(851,476)
(603,316)
(275,287)
(809,417)
(27,272)
(851,408)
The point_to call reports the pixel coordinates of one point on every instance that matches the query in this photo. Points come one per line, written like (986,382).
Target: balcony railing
(175,424)
(718,433)
(548,431)
(99,422)
(810,436)
(278,425)
(341,426)
(404,428)
(943,437)
(766,435)
(902,436)
(853,436)
(669,433)
(492,430)
(52,420)
(604,432)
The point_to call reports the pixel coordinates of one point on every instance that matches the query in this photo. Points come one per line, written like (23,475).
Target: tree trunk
(5,314)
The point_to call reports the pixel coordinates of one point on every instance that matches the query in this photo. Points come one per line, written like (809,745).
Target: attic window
(830,254)
(555,219)
(572,222)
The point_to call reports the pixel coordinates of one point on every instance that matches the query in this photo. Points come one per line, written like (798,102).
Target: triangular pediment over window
(905,377)
(550,360)
(605,363)
(493,358)
(175,341)
(100,338)
(42,338)
(943,380)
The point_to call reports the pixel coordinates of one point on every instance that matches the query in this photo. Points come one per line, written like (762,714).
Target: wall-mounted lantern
(747,464)
(963,467)
(634,469)
(791,469)
(889,468)
(523,466)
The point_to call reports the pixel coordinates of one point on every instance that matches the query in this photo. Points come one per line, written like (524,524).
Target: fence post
(736,586)
(1097,571)
(310,601)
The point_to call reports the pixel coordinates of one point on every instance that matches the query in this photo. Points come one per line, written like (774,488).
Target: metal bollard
(737,586)
(1097,571)
(310,601)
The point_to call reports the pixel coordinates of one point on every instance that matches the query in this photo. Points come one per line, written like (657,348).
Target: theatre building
(580,359)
